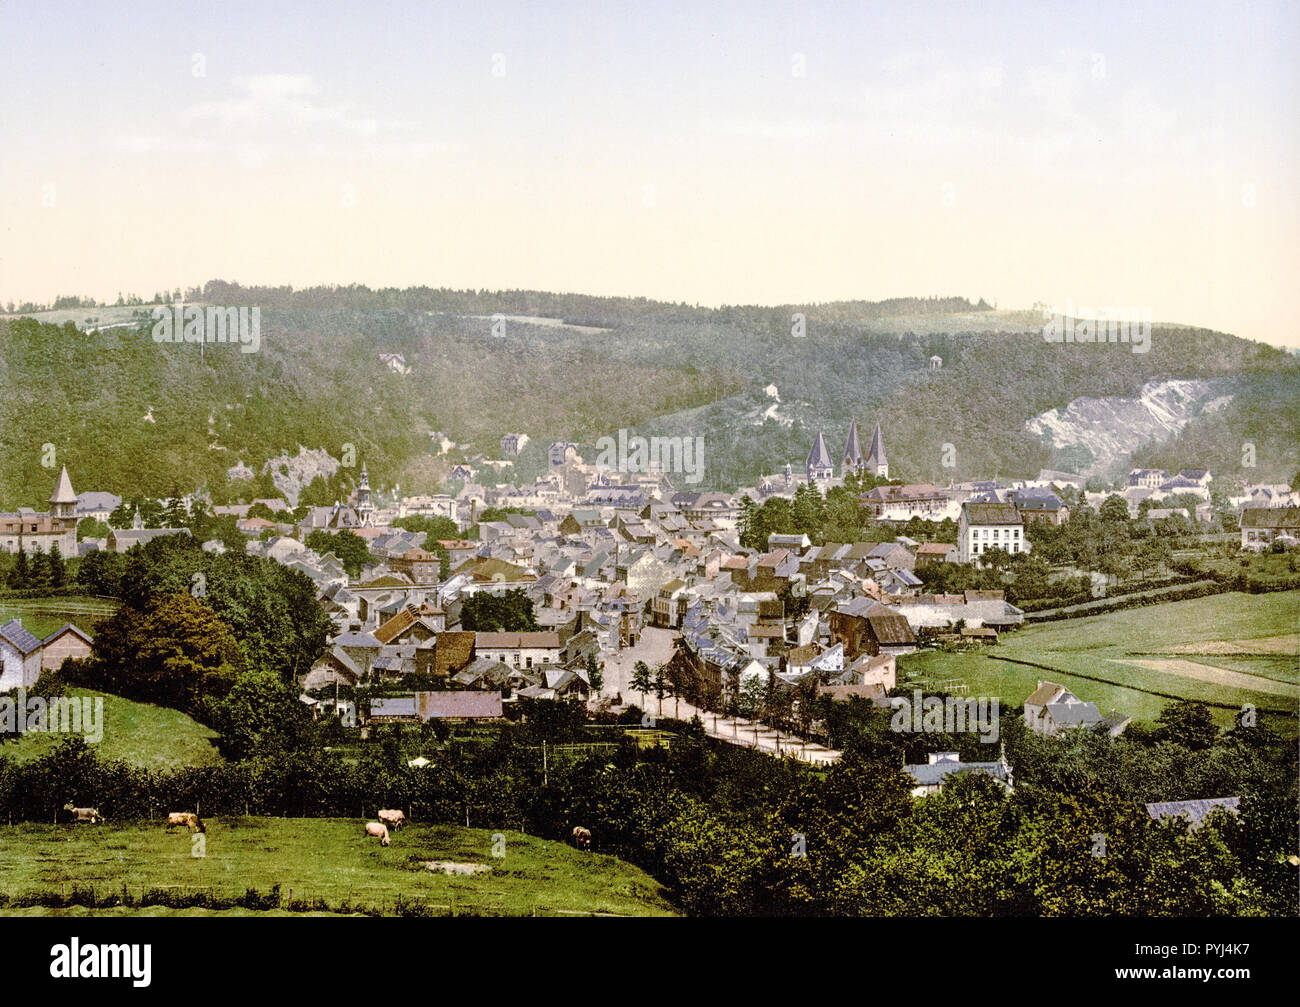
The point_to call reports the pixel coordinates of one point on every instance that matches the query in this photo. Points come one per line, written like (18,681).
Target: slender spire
(852,460)
(876,460)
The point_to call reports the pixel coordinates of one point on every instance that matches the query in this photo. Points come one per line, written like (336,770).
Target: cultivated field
(322,860)
(1226,649)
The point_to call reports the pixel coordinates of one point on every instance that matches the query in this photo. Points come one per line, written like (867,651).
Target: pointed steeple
(365,509)
(877,463)
(63,501)
(852,460)
(819,463)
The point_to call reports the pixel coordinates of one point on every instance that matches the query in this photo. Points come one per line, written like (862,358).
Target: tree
(22,575)
(1114,509)
(40,572)
(350,548)
(510,612)
(595,674)
(57,569)
(175,652)
(1187,723)
(642,680)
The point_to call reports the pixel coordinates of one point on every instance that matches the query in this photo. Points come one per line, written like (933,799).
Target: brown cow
(90,815)
(378,829)
(394,819)
(581,837)
(185,819)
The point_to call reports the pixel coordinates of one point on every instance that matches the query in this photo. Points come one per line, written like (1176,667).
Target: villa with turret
(30,531)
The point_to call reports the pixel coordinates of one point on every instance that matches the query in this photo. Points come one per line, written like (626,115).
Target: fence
(101,894)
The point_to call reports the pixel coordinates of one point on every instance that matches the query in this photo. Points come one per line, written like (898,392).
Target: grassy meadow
(325,859)
(142,734)
(1229,649)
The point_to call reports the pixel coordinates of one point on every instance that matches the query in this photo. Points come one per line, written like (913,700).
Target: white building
(985,526)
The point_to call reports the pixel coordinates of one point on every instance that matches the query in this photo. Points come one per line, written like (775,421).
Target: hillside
(142,417)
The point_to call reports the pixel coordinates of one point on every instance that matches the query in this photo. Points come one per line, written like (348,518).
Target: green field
(42,616)
(325,859)
(152,737)
(1107,647)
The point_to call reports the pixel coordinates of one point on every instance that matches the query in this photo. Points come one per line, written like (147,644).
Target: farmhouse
(20,656)
(1262,526)
(66,641)
(1052,708)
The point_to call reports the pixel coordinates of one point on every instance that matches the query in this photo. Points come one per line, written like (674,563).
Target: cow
(185,819)
(90,815)
(392,818)
(378,829)
(581,837)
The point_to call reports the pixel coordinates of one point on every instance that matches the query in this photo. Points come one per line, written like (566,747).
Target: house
(407,626)
(29,531)
(1195,812)
(421,566)
(865,626)
(20,657)
(1040,507)
(985,526)
(66,641)
(519,650)
(931,777)
(1052,708)
(901,503)
(1148,478)
(935,552)
(97,505)
(122,539)
(1262,526)
(512,444)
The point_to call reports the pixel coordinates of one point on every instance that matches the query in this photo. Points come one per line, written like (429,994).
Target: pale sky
(1115,154)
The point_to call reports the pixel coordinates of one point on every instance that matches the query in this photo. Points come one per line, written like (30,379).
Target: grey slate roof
(1194,810)
(21,640)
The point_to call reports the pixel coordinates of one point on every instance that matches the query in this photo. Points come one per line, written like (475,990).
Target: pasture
(1229,649)
(42,616)
(328,864)
(142,734)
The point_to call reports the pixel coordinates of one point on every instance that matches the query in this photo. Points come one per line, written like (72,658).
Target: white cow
(378,829)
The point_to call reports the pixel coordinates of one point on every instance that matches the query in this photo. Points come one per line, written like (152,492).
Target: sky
(1107,154)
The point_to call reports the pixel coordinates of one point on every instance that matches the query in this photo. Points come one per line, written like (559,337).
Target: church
(821,469)
(31,531)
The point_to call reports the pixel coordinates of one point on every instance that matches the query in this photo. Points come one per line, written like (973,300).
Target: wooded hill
(651,367)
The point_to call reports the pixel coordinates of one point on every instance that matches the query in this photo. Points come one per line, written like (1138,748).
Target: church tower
(852,462)
(877,464)
(820,468)
(365,509)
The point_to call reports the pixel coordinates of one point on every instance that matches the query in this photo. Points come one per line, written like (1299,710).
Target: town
(652,612)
